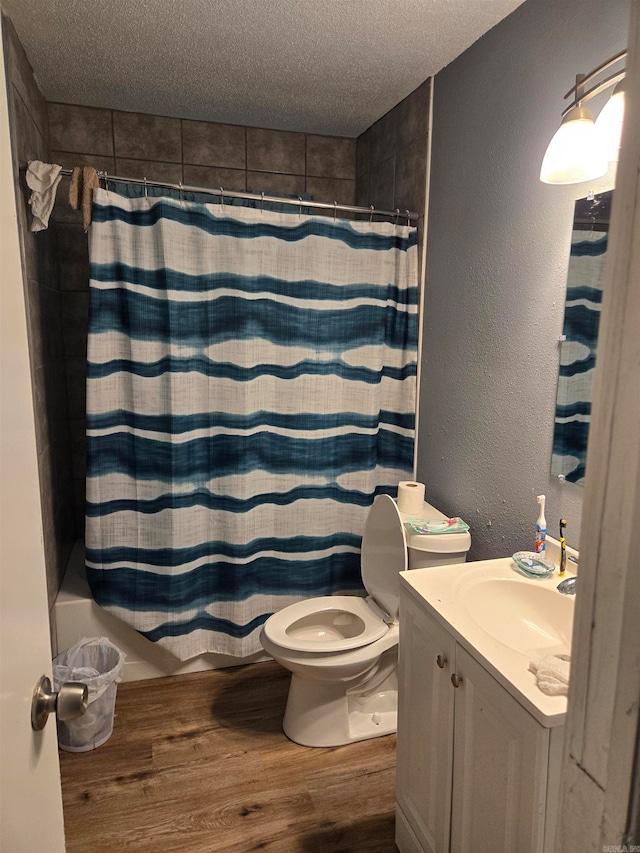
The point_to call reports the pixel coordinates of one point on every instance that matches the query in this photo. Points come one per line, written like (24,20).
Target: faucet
(567,586)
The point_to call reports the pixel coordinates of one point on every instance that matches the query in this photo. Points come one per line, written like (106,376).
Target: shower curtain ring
(221,197)
(335,210)
(145,187)
(408,212)
(300,200)
(372,208)
(397,214)
(106,181)
(180,191)
(262,203)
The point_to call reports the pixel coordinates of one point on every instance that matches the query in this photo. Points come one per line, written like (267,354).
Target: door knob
(70,702)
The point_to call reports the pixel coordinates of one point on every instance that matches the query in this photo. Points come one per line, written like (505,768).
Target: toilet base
(324,714)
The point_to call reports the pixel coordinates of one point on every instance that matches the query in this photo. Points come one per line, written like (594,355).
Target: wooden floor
(199,764)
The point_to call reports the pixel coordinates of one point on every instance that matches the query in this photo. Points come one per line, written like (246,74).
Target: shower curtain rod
(299,202)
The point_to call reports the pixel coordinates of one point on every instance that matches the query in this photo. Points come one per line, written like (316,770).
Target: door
(425,726)
(500,765)
(30,795)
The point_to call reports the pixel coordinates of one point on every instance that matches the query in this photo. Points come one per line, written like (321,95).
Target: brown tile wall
(391,158)
(232,156)
(44,306)
(201,153)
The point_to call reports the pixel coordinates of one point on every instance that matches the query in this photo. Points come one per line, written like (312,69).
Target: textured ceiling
(329,67)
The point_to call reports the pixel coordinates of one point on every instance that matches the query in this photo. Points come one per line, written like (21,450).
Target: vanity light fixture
(609,122)
(581,149)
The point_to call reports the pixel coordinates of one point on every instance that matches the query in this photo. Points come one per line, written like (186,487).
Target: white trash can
(97,663)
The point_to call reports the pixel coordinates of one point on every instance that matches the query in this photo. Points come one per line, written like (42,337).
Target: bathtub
(76,615)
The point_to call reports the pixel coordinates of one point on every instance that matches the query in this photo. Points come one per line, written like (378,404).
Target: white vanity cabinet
(476,771)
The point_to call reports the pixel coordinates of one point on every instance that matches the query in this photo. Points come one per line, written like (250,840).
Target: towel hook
(221,197)
(372,208)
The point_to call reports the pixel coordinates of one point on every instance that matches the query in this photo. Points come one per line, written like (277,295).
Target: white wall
(497,257)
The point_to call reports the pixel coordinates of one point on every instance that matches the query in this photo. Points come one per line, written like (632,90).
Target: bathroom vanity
(479,745)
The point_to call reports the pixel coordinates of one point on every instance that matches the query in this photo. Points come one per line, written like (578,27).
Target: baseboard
(406,841)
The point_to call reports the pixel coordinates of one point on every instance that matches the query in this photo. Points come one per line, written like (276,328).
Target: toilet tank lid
(384,553)
(440,543)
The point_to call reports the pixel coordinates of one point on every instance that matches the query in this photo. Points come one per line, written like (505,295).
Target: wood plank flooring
(199,764)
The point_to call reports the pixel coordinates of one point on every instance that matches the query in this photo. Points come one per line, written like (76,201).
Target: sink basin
(504,619)
(534,620)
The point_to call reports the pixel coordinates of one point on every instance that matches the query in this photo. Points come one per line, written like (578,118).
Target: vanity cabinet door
(425,726)
(499,767)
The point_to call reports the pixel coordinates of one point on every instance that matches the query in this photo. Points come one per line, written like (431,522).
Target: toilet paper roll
(410,497)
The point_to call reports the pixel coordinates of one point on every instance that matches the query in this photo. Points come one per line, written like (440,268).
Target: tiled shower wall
(43,300)
(201,153)
(391,160)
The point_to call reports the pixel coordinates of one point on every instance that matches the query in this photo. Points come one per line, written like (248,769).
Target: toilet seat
(329,623)
(335,623)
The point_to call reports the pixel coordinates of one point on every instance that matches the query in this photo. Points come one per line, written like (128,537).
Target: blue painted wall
(497,257)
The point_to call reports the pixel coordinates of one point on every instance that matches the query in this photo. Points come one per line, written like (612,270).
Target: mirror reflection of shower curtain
(578,353)
(251,388)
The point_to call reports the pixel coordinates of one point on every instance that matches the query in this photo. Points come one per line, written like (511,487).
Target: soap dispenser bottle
(541,528)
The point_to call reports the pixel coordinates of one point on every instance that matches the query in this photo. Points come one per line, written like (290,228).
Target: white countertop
(454,594)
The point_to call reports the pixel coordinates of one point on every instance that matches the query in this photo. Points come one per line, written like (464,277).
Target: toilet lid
(384,553)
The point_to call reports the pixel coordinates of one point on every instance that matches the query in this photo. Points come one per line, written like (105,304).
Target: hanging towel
(84,180)
(552,673)
(42,180)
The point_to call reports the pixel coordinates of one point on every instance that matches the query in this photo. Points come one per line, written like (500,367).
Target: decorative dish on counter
(533,565)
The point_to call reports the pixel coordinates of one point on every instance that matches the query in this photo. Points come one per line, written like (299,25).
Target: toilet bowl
(342,650)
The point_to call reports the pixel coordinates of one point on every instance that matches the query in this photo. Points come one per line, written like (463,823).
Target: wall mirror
(578,345)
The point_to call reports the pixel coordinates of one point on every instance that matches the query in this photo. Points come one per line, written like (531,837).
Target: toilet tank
(428,550)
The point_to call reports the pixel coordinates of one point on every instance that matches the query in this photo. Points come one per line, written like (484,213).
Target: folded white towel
(43,180)
(552,673)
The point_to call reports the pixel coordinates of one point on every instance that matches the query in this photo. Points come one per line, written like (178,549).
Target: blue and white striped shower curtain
(251,387)
(583,305)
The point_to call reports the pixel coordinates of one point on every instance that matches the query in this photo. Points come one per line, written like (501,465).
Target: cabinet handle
(441,660)
(456,680)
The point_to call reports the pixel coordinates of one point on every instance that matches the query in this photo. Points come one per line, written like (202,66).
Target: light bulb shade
(575,153)
(609,124)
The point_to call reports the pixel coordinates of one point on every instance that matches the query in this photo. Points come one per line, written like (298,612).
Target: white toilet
(342,650)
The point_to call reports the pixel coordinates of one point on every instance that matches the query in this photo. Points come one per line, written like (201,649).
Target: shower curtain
(251,388)
(585,279)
